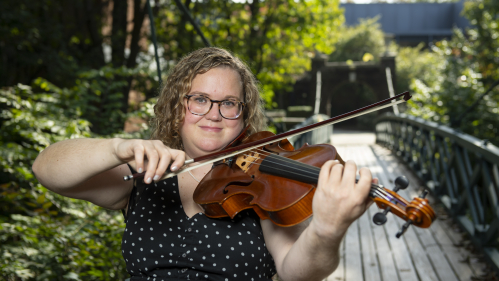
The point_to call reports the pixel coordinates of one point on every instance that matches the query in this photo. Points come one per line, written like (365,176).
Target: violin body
(240,184)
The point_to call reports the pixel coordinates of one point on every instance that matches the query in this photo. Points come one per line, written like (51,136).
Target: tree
(470,66)
(58,40)
(275,37)
(362,42)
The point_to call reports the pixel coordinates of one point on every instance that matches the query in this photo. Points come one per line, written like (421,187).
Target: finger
(152,159)
(164,161)
(138,153)
(375,181)
(336,174)
(179,159)
(365,180)
(349,172)
(325,172)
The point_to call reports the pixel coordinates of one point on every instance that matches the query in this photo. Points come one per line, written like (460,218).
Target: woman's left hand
(339,200)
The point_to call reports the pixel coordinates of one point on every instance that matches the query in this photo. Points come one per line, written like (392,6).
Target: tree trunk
(118,32)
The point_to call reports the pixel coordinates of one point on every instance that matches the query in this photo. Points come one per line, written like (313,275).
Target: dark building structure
(341,87)
(411,23)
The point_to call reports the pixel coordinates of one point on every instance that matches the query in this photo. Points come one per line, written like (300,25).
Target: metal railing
(321,135)
(460,170)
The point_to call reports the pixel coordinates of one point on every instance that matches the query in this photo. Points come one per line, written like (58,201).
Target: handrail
(460,170)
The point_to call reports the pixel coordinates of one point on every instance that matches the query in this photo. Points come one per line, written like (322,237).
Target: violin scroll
(417,212)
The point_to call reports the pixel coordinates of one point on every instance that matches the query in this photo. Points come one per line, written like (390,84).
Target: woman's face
(211,132)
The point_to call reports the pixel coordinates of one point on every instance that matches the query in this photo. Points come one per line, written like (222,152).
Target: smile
(211,129)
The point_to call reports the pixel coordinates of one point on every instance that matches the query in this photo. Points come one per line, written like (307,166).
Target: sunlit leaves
(467,65)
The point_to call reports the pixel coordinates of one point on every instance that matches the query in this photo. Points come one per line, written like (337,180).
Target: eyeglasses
(201,105)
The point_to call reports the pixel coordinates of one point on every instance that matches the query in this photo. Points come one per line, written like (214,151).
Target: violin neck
(287,168)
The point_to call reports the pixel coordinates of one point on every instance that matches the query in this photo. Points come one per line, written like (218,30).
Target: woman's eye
(228,103)
(200,99)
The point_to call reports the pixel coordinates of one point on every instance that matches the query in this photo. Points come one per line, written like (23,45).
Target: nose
(214,113)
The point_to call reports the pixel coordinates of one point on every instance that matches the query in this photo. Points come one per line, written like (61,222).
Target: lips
(211,129)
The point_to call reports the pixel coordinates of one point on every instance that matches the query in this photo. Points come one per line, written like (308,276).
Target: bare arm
(311,252)
(93,169)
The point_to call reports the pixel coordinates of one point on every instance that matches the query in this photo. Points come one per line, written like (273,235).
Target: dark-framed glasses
(201,105)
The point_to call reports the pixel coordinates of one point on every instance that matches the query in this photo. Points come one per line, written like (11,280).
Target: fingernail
(148,180)
(173,168)
(156,177)
(140,170)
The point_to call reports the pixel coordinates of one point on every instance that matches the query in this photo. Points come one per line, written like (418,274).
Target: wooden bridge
(371,253)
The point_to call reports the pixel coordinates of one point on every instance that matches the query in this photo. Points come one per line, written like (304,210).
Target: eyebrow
(205,94)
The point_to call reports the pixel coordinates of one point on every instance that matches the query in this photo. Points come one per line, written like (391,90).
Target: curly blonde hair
(170,111)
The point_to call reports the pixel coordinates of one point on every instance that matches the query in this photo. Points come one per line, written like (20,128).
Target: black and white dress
(161,243)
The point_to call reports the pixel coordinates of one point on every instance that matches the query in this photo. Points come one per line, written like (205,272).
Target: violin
(264,172)
(278,182)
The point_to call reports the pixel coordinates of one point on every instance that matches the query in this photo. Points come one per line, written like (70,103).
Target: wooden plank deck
(371,252)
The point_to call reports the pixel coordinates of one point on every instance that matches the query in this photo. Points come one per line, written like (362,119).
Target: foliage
(417,63)
(44,236)
(275,37)
(362,42)
(469,66)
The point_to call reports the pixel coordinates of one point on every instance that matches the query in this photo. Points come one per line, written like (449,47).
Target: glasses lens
(230,108)
(199,105)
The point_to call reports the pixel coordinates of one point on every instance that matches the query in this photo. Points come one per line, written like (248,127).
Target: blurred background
(88,68)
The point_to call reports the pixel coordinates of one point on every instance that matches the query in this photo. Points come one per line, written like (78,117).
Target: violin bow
(232,151)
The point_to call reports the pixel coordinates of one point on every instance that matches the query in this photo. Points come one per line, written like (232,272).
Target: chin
(211,146)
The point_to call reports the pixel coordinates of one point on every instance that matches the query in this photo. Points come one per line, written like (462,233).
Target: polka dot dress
(161,243)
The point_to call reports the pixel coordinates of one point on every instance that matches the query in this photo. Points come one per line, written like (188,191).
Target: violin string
(284,160)
(375,188)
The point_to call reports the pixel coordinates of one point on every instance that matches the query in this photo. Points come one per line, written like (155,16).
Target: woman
(207,100)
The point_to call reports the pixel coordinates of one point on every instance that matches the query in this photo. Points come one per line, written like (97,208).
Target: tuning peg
(423,195)
(403,228)
(380,218)
(401,183)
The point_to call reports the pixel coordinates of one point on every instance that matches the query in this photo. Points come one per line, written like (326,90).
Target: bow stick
(232,151)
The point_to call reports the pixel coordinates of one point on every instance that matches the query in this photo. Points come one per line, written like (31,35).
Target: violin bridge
(244,161)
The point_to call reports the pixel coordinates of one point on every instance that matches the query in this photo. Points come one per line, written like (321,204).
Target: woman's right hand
(151,156)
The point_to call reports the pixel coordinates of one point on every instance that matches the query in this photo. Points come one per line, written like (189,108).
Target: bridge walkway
(373,253)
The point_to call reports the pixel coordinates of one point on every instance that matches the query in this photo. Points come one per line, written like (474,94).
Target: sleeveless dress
(161,243)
